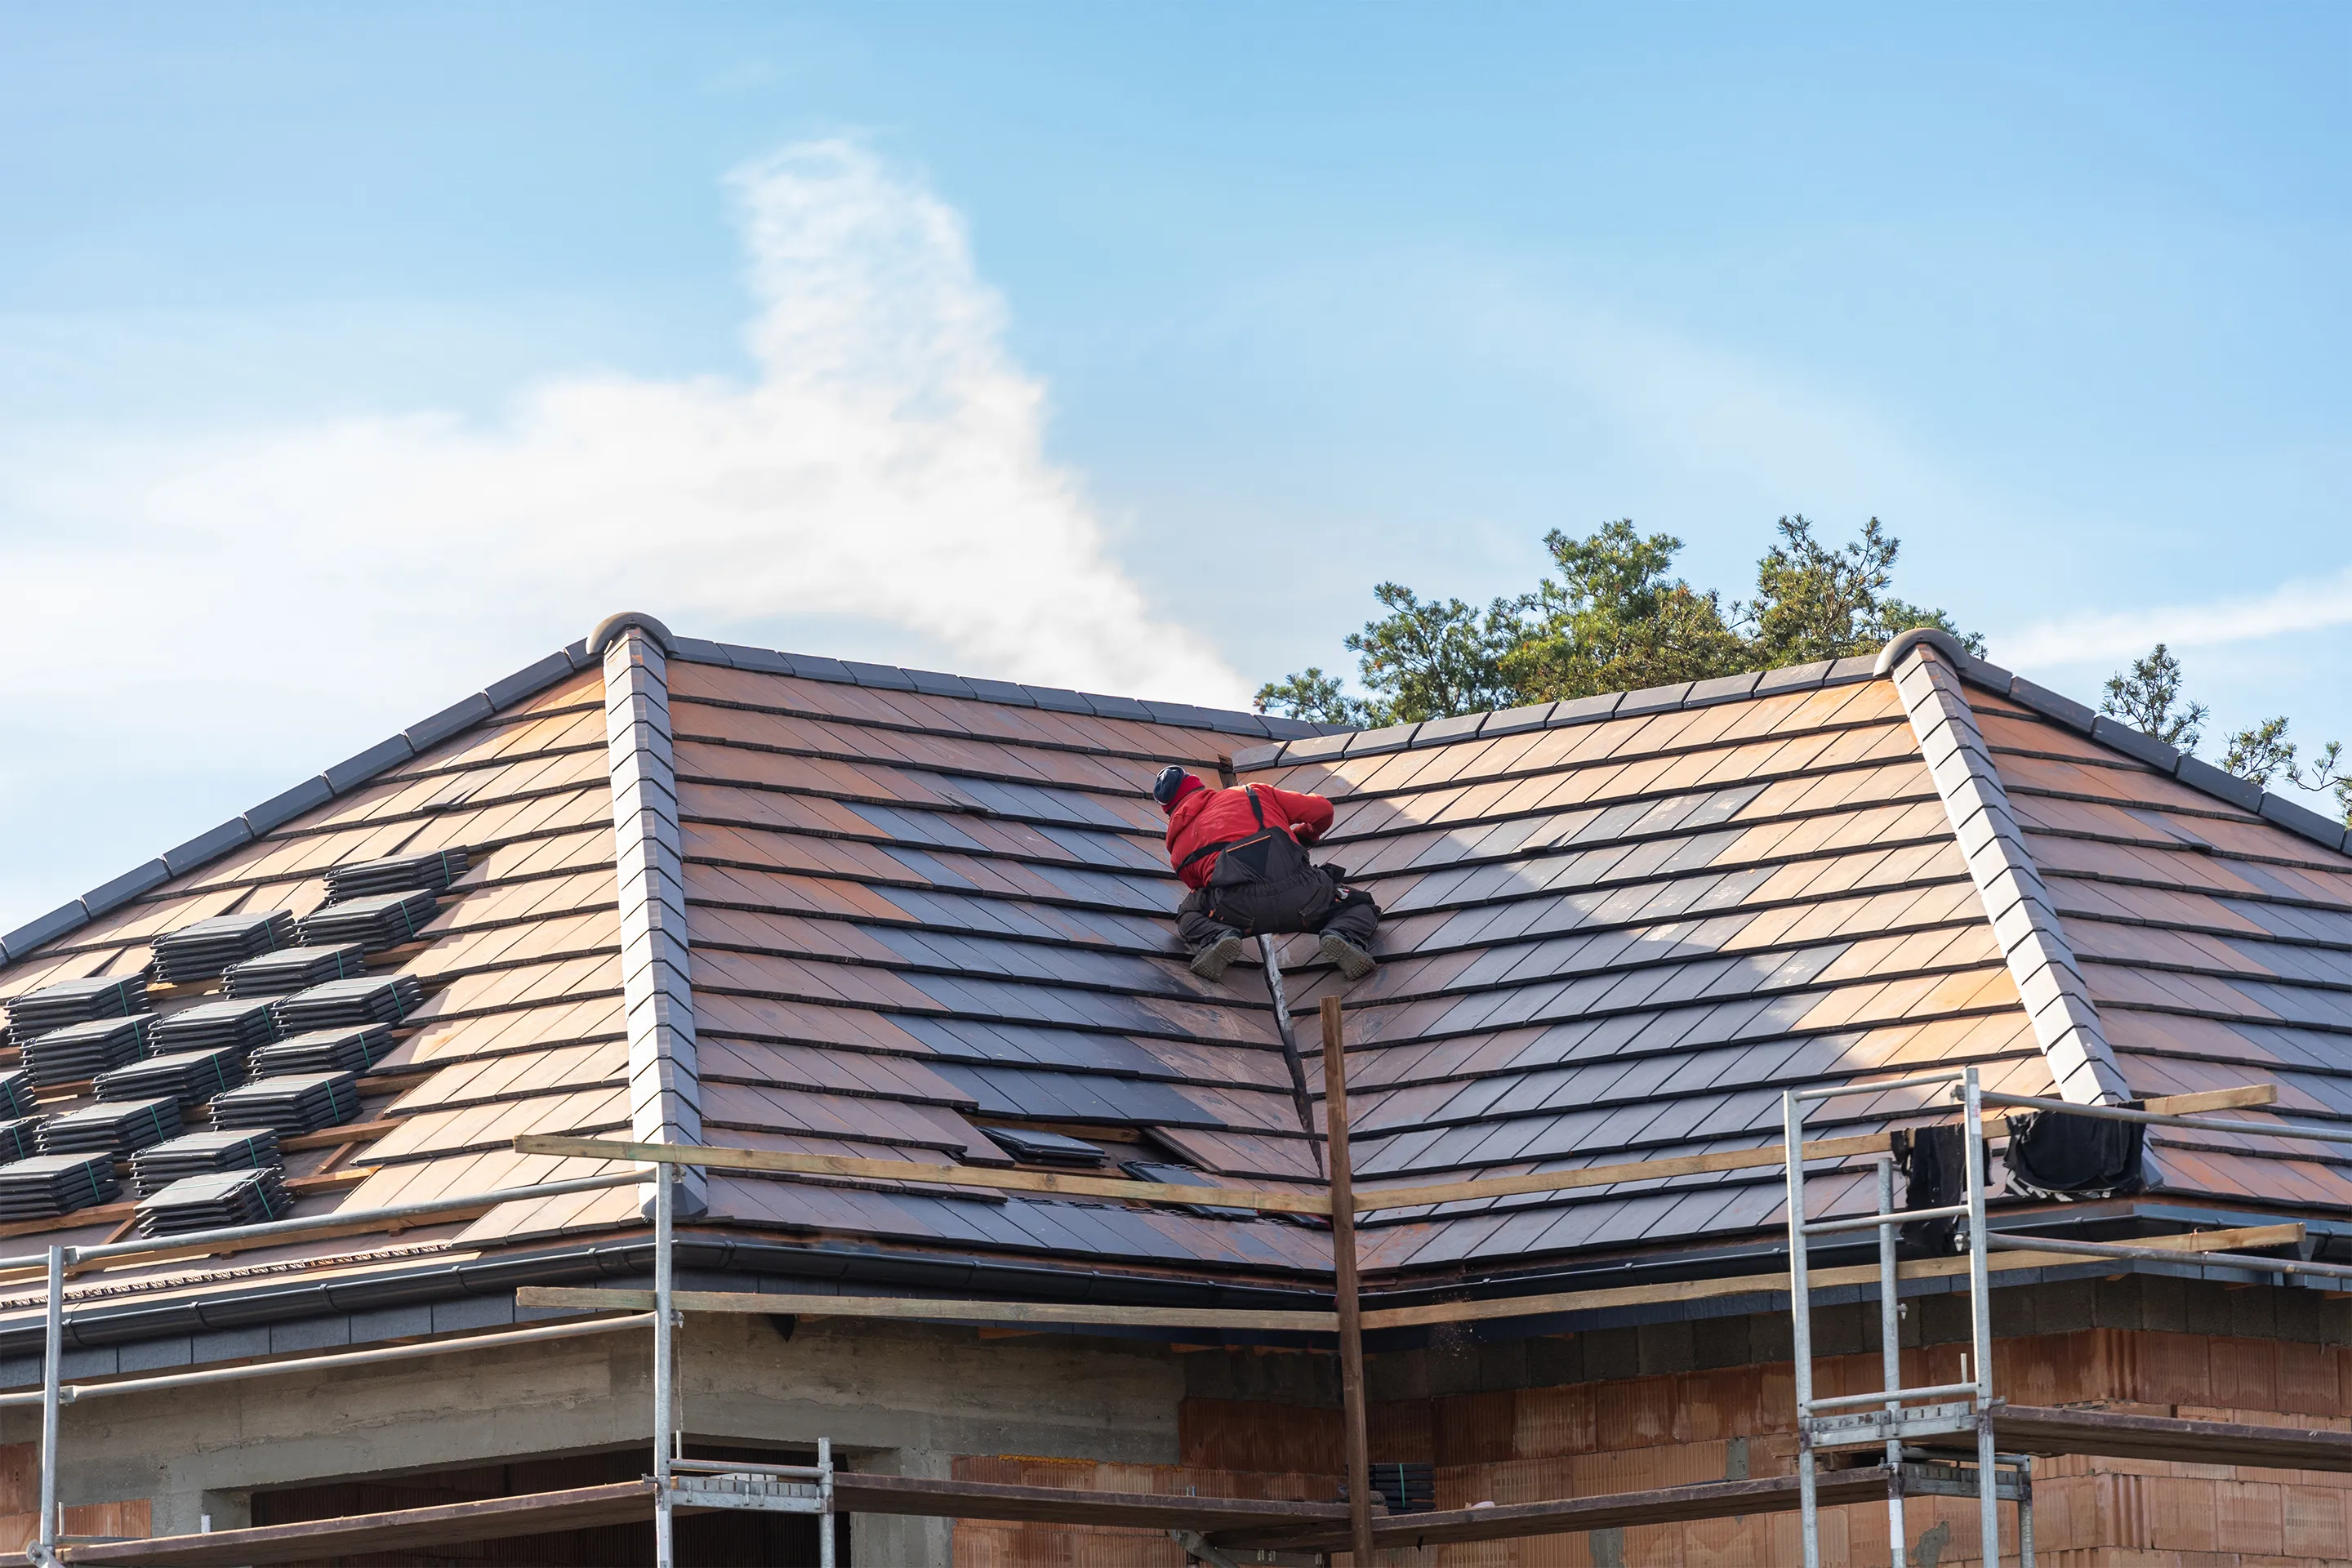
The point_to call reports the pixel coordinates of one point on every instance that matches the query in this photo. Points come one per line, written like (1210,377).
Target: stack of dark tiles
(20,1139)
(111,1127)
(182,1077)
(53,1184)
(385,920)
(76,1001)
(214,1202)
(323,1050)
(202,1155)
(16,1094)
(432,872)
(349,1004)
(292,969)
(297,1103)
(79,1052)
(240,1024)
(205,949)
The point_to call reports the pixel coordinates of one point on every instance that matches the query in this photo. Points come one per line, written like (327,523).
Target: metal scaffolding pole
(664,1331)
(1890,1358)
(53,1363)
(1792,1112)
(1981,1319)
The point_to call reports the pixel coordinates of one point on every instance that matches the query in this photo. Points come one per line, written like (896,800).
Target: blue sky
(352,356)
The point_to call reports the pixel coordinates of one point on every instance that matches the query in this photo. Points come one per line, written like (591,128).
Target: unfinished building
(656,891)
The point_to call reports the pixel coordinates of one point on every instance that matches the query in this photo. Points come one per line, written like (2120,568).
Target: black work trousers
(1352,914)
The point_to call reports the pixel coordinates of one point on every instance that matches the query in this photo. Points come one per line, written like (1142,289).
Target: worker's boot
(1211,961)
(1353,962)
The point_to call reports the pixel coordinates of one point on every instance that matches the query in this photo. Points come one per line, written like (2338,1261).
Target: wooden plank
(722,1159)
(352,1132)
(2126,1436)
(1611,1175)
(1614,1510)
(2241,1239)
(916,1310)
(922,1497)
(1357,1443)
(402,1530)
(2213,1099)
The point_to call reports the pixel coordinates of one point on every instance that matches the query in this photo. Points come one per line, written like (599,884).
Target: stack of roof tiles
(351,1004)
(238,1023)
(79,1052)
(292,969)
(205,949)
(17,1097)
(214,1202)
(388,919)
(366,878)
(76,1001)
(20,1138)
(48,1185)
(111,1127)
(295,1103)
(323,1050)
(201,1153)
(182,1077)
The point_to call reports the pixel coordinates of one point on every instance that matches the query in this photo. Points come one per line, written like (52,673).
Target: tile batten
(664,1082)
(2041,962)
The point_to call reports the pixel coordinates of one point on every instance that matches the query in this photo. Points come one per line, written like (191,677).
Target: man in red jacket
(1240,854)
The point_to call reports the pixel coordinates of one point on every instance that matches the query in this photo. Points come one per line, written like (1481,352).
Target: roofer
(1239,853)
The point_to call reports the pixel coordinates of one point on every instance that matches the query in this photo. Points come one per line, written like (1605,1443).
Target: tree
(1614,618)
(2148,698)
(1615,621)
(1815,603)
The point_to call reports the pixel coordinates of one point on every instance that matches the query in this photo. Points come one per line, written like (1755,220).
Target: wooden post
(1343,1267)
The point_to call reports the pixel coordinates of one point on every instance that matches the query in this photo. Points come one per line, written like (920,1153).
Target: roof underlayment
(786,903)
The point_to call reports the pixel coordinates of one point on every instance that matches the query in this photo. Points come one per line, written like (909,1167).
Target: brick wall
(1629,1434)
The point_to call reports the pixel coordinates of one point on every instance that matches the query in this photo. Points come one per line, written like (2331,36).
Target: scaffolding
(677,1481)
(1947,1439)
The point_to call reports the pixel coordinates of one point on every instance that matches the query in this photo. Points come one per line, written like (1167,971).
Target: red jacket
(1205,816)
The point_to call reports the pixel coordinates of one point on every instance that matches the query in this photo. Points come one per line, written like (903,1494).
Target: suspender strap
(1223,844)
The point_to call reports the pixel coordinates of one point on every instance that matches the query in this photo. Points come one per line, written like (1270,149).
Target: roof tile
(1057,700)
(931,683)
(2049,705)
(1512,721)
(1585,710)
(33,933)
(280,809)
(1653,699)
(761,658)
(2134,743)
(529,681)
(1250,758)
(1105,707)
(355,771)
(816,667)
(209,846)
(1792,678)
(2198,774)
(1376,742)
(888,676)
(2302,820)
(448,721)
(125,888)
(1012,693)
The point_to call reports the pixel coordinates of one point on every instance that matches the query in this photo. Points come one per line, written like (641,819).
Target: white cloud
(2301,605)
(884,467)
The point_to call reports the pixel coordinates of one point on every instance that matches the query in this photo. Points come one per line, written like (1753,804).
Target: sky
(353,356)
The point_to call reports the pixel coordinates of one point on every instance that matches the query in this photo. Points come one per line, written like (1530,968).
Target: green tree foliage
(1611,617)
(2148,696)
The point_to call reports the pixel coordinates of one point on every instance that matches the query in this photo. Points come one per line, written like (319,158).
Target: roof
(863,910)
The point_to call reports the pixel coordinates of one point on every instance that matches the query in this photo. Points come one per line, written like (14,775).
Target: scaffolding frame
(679,1481)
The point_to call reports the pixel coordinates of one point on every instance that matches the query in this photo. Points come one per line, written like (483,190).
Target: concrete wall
(902,1399)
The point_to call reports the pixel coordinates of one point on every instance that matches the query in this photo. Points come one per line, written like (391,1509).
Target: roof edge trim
(656,984)
(283,807)
(2041,961)
(610,630)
